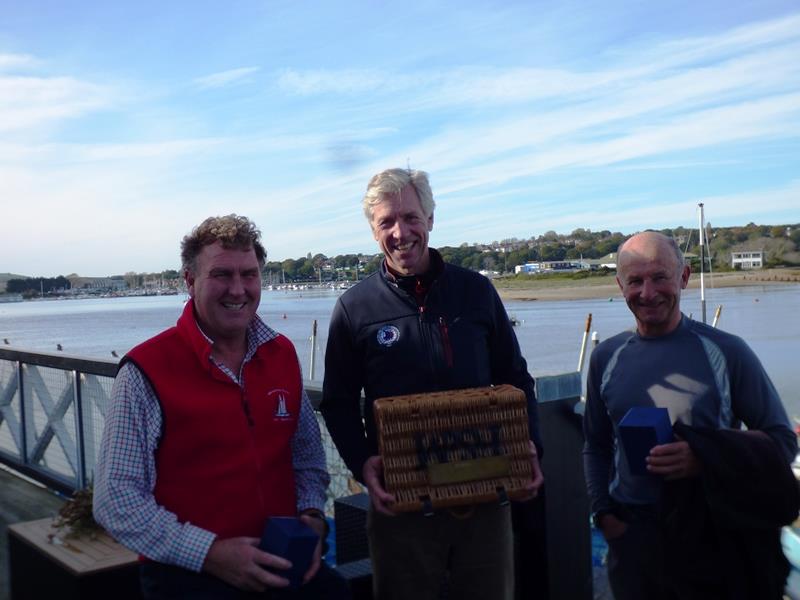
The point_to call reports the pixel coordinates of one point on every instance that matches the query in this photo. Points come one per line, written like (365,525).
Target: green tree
(777,231)
(609,245)
(551,252)
(581,234)
(306,270)
(373,264)
(516,257)
(289,267)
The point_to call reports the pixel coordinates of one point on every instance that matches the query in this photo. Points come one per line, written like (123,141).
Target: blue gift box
(290,538)
(641,428)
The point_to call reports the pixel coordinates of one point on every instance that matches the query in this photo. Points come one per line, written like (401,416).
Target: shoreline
(606,287)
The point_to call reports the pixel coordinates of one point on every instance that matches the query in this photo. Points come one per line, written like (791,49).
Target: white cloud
(513,148)
(340,81)
(9,62)
(27,102)
(761,205)
(757,56)
(225,78)
(685,51)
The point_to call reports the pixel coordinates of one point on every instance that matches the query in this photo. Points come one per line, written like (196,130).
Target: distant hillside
(5,277)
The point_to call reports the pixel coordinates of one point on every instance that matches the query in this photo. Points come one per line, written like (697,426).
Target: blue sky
(123,124)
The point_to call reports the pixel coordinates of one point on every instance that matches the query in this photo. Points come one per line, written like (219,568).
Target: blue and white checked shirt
(125,474)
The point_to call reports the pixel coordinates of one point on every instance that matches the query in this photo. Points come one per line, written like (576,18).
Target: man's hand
(537,478)
(317,525)
(612,527)
(673,461)
(373,478)
(240,563)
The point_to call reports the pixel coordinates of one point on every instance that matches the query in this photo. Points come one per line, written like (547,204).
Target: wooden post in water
(313,349)
(717,313)
(584,342)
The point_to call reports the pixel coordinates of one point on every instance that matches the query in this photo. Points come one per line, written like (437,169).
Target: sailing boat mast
(702,264)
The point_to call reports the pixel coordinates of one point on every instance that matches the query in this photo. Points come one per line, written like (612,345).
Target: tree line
(781,244)
(35,286)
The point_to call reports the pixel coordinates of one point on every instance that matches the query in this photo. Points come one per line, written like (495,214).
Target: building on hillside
(609,261)
(747,259)
(526,268)
(552,266)
(97,284)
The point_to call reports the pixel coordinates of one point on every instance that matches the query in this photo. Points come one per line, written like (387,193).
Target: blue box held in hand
(290,538)
(641,428)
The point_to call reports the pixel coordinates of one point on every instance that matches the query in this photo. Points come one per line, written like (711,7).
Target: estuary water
(550,332)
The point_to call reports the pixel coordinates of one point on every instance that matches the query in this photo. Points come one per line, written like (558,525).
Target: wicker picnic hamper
(454,448)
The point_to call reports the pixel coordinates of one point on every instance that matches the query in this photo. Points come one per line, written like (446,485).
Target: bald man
(709,381)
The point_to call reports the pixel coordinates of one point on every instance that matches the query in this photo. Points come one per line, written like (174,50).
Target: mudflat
(606,287)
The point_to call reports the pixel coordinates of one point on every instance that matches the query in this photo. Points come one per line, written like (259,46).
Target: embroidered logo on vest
(281,411)
(388,335)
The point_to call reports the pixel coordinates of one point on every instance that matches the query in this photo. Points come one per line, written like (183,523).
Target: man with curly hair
(210,433)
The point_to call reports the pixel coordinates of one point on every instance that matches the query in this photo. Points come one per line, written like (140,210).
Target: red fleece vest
(224,461)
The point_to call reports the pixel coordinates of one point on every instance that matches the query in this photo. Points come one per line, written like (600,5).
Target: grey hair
(391,182)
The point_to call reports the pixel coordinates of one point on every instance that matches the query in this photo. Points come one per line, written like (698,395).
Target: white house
(748,259)
(550,266)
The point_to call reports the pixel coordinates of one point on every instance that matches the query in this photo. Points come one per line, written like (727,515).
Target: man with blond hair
(421,325)
(210,433)
(671,534)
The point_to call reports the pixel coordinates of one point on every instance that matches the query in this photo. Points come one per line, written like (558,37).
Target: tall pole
(702,264)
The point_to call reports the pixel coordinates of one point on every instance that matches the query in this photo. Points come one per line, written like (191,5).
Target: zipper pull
(448,349)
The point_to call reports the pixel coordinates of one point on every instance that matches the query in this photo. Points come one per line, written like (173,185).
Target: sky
(124,124)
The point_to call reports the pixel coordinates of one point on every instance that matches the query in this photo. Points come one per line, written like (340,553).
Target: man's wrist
(598,515)
(318,515)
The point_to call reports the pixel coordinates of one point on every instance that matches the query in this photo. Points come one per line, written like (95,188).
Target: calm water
(550,335)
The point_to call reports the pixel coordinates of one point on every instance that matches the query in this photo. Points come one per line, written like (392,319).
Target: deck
(20,501)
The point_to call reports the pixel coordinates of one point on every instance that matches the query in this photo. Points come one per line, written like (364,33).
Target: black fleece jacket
(724,527)
(383,342)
